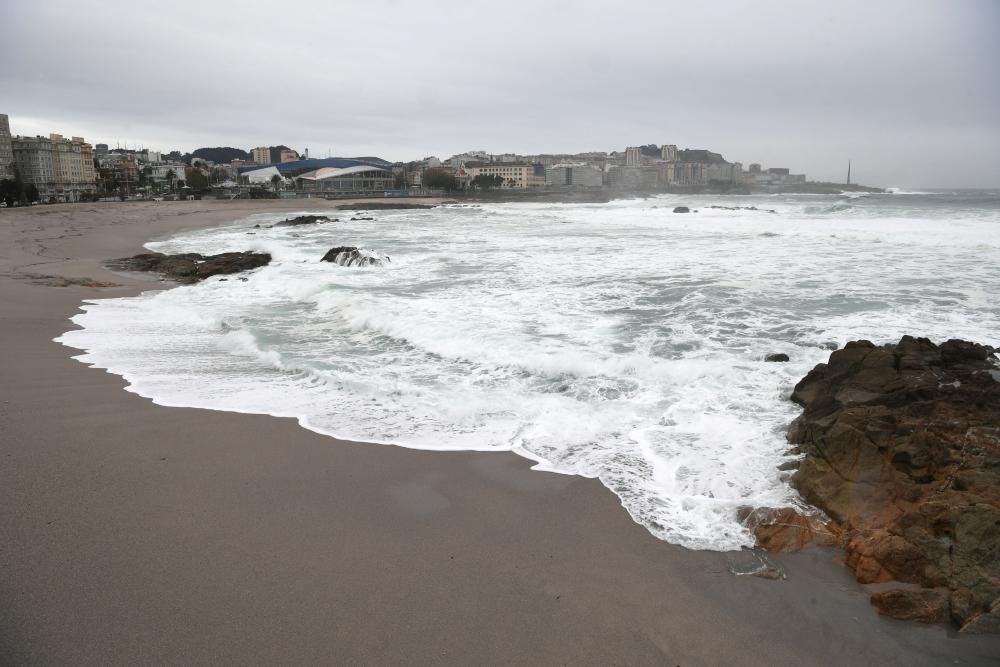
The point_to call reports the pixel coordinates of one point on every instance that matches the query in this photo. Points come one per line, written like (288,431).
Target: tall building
(633,156)
(261,155)
(62,169)
(6,149)
(288,155)
(668,152)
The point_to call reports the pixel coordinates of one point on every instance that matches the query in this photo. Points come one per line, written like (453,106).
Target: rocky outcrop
(352,256)
(191,267)
(743,208)
(382,206)
(784,529)
(777,356)
(901,449)
(681,209)
(304,220)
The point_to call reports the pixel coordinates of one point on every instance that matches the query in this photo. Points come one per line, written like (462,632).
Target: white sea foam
(616,341)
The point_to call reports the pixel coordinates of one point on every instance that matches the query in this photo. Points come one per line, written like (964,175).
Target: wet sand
(132,533)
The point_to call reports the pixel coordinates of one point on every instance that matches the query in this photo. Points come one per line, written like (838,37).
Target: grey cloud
(905,89)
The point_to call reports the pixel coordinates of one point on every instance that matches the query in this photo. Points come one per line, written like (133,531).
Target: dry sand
(137,534)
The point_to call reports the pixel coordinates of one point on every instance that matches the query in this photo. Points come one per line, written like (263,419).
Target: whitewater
(618,341)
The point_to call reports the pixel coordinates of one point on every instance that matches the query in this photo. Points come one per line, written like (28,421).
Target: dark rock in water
(191,267)
(385,205)
(743,208)
(682,209)
(362,218)
(901,450)
(352,256)
(778,356)
(303,220)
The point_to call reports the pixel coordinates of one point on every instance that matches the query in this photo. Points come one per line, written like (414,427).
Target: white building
(470,156)
(158,172)
(633,156)
(668,152)
(578,175)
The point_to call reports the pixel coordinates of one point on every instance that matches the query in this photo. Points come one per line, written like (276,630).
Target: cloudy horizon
(906,90)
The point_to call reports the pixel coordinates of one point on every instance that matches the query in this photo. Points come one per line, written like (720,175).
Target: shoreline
(139,533)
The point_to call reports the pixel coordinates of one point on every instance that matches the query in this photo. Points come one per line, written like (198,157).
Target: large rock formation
(901,450)
(383,206)
(352,256)
(304,220)
(191,267)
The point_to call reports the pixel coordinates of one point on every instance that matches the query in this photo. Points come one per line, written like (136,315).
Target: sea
(619,341)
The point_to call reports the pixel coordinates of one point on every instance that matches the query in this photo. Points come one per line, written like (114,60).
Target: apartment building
(6,149)
(261,155)
(515,175)
(574,175)
(62,169)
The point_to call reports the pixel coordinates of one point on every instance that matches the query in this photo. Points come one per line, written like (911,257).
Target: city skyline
(902,94)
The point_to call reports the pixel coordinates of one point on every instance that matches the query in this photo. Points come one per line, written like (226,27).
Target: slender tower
(848,172)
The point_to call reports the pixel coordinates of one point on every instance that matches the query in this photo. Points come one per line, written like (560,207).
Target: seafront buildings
(61,169)
(67,170)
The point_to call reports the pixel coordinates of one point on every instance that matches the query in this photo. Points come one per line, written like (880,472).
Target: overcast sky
(909,90)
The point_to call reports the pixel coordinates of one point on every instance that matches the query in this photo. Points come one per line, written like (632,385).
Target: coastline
(140,533)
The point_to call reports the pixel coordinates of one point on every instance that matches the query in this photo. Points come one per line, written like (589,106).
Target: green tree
(9,192)
(171,177)
(487,181)
(276,182)
(31,193)
(197,180)
(439,178)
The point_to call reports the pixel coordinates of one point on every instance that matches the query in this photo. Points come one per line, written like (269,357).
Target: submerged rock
(353,256)
(901,449)
(304,220)
(682,209)
(191,267)
(382,206)
(743,208)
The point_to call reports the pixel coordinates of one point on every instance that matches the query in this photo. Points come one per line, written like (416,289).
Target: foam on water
(618,341)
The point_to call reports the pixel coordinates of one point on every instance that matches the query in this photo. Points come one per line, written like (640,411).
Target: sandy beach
(132,533)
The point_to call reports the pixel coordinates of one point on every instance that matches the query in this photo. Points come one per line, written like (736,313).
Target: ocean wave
(611,342)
